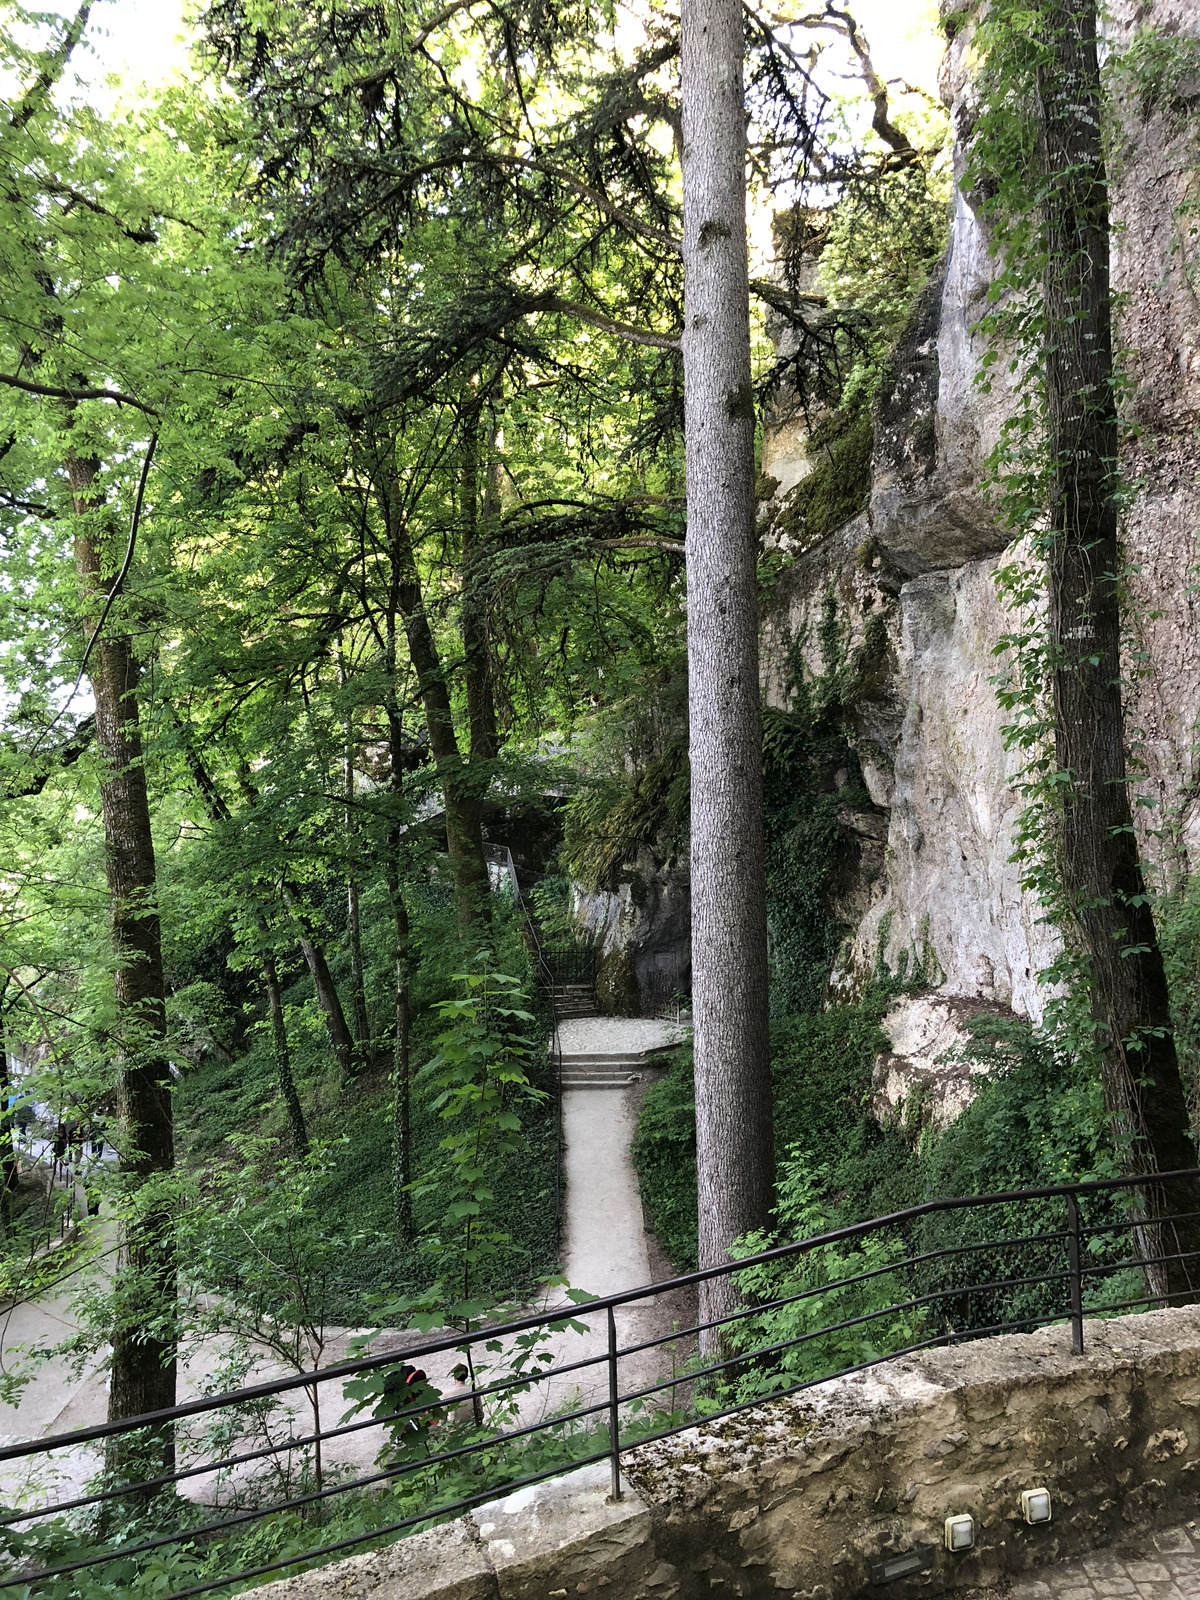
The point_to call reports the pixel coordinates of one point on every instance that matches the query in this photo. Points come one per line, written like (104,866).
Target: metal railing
(912,1288)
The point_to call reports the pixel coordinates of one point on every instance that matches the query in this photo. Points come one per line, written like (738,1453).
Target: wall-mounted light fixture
(960,1532)
(1035,1505)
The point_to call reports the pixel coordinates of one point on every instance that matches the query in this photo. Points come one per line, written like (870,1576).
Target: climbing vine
(811,776)
(1038,173)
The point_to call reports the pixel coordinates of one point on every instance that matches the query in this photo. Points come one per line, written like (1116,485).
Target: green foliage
(553,907)
(217,1099)
(1177,919)
(811,778)
(1155,71)
(1005,178)
(637,790)
(1037,1119)
(884,239)
(821,1067)
(804,1279)
(839,485)
(481,1082)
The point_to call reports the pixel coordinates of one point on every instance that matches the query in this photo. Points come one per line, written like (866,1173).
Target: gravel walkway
(585,1035)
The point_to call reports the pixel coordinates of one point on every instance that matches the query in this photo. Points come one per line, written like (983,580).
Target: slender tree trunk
(1101,870)
(358,989)
(10,1171)
(143,1370)
(402,1060)
(734,1139)
(218,810)
(327,996)
(279,1041)
(402,1173)
(477,666)
(463,807)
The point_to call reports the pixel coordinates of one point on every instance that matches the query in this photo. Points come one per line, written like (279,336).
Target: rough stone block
(444,1563)
(565,1535)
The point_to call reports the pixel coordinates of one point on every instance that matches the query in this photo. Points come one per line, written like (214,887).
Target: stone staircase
(612,1069)
(569,999)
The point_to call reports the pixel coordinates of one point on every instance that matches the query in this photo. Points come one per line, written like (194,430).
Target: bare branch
(63,755)
(842,22)
(776,295)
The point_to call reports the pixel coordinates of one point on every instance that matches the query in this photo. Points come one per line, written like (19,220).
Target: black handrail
(1065,1278)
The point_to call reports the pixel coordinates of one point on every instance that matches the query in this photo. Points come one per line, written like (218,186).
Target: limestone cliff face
(921,562)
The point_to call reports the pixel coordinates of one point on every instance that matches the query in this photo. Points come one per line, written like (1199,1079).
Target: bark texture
(328,999)
(279,1042)
(1101,870)
(218,810)
(477,665)
(143,1371)
(358,988)
(735,1152)
(463,803)
(10,1171)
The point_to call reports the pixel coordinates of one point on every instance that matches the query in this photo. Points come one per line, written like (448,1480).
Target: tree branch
(623,330)
(53,393)
(643,542)
(63,755)
(774,294)
(52,71)
(844,23)
(549,169)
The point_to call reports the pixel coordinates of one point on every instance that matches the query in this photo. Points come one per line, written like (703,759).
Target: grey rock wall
(642,937)
(922,560)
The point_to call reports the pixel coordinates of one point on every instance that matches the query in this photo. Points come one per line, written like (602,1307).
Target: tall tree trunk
(143,1370)
(734,1138)
(10,1171)
(218,810)
(358,989)
(477,666)
(279,1043)
(402,1057)
(463,807)
(402,1173)
(1101,870)
(327,996)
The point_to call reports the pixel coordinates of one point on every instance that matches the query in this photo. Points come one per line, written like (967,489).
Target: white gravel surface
(592,1035)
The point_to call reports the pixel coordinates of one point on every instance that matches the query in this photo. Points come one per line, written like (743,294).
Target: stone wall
(802,1498)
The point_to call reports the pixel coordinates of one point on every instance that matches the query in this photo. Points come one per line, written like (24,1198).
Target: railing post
(614,1437)
(1076,1277)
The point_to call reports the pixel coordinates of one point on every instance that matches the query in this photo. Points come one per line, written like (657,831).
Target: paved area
(1153,1566)
(606,1246)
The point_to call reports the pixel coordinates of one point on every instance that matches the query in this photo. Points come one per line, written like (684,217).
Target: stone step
(599,1081)
(588,1069)
(603,1058)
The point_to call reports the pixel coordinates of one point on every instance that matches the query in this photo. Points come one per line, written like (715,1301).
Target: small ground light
(1035,1505)
(960,1532)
